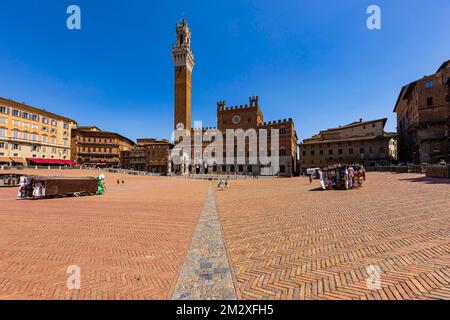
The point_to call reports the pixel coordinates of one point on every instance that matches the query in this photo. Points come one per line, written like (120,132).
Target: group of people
(341,177)
(29,188)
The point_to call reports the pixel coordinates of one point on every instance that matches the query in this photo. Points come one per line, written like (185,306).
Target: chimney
(360,119)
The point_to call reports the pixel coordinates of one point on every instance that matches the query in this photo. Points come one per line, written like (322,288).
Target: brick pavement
(129,243)
(284,239)
(287,240)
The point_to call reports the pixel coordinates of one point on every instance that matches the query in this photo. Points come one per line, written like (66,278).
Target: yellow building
(31,135)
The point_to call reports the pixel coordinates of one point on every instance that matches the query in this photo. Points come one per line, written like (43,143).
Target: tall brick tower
(183,60)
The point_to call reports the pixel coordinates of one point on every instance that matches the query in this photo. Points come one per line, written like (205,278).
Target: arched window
(282,130)
(282,151)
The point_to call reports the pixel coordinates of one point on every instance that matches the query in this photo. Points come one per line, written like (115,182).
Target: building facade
(93,147)
(248,117)
(148,154)
(29,134)
(363,142)
(423,118)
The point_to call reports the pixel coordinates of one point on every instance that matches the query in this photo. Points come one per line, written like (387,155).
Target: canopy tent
(58,162)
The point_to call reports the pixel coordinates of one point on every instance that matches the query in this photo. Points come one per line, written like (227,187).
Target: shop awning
(18,160)
(5,159)
(52,162)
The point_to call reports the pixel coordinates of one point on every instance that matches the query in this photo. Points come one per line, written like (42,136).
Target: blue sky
(314,61)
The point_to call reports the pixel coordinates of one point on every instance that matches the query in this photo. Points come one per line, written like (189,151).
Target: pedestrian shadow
(428,180)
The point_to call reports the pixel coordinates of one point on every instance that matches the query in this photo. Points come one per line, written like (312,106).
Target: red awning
(53,161)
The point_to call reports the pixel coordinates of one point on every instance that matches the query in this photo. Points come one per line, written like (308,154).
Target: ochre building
(92,146)
(30,135)
(423,118)
(363,142)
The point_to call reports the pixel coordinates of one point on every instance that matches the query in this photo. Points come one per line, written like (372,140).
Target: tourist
(310,178)
(351,175)
(346,178)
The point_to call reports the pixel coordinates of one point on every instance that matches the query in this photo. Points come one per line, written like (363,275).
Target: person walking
(310,178)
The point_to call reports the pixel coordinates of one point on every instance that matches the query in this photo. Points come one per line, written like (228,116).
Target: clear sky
(314,61)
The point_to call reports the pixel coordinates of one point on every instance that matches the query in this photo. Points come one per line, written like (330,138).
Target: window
(447,98)
(3,120)
(340,151)
(54,123)
(2,145)
(429,84)
(34,148)
(282,130)
(44,139)
(282,151)
(330,152)
(34,137)
(4,110)
(350,151)
(361,150)
(25,115)
(35,127)
(52,140)
(16,146)
(321,152)
(53,150)
(25,136)
(373,125)
(16,122)
(15,134)
(25,125)
(44,120)
(445,80)
(66,126)
(2,133)
(35,117)
(304,153)
(429,101)
(16,113)
(44,129)
(312,152)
